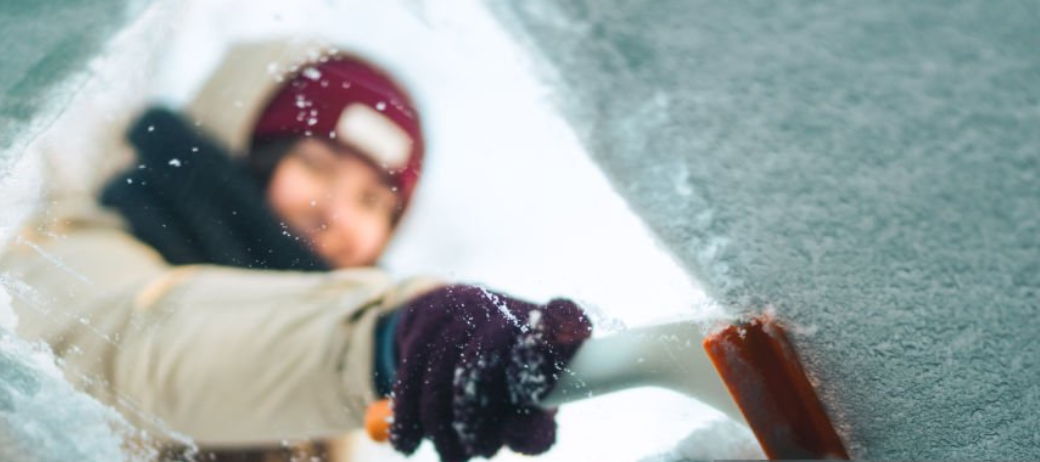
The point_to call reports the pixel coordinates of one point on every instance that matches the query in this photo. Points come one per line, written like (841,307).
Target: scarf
(191,201)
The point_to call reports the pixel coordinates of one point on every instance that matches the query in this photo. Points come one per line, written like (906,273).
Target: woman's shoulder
(74,230)
(67,218)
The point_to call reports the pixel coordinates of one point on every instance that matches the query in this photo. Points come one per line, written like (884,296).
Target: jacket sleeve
(225,356)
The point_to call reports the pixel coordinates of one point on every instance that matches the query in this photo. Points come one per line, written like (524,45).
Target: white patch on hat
(373,133)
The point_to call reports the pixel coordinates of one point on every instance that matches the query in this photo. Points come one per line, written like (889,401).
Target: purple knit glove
(472,364)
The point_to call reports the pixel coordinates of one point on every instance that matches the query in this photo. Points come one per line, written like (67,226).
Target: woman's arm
(226,356)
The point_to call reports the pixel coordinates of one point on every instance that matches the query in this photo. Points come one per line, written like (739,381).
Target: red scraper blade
(765,377)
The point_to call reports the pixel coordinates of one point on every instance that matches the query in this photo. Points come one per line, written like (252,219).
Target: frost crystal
(503,309)
(312,73)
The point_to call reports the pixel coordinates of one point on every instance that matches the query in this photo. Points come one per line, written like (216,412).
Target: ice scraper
(749,371)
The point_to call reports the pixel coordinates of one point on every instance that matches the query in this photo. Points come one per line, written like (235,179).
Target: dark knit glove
(472,364)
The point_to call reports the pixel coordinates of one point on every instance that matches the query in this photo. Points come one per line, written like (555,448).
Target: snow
(43,419)
(40,70)
(870,170)
(502,308)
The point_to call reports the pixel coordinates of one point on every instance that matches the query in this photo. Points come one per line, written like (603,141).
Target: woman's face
(337,202)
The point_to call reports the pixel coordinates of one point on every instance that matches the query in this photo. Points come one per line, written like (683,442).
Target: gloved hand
(472,364)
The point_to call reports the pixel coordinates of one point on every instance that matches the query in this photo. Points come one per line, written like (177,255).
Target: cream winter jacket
(223,355)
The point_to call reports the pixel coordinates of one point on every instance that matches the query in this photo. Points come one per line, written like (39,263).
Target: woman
(224,285)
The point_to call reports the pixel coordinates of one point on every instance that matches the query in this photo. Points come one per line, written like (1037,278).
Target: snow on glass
(38,406)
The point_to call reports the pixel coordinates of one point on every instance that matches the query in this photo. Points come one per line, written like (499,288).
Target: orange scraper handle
(378,417)
(765,377)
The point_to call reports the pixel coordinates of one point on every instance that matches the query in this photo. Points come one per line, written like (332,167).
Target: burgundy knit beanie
(348,102)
